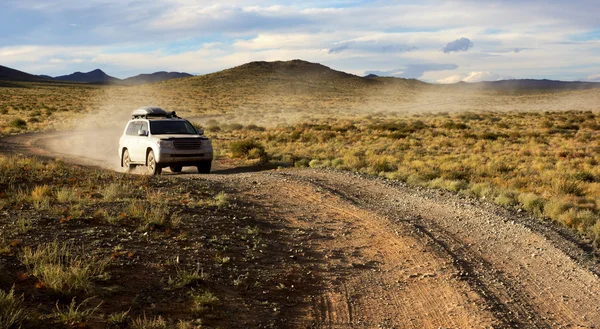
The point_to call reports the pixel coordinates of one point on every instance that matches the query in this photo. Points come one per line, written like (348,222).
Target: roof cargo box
(152,112)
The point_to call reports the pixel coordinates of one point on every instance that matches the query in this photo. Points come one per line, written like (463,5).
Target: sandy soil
(392,256)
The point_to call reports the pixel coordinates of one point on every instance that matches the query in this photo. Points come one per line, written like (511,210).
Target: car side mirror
(142,132)
(200,131)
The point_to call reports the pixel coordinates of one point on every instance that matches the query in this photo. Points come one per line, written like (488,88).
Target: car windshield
(164,127)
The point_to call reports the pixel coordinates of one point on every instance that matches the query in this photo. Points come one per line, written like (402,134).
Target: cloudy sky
(432,40)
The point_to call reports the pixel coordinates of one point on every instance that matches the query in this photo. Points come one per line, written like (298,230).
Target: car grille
(187,155)
(187,144)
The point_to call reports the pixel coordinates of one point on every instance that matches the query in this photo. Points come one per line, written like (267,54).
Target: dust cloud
(95,137)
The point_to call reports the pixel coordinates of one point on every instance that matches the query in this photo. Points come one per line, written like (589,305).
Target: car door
(128,140)
(142,142)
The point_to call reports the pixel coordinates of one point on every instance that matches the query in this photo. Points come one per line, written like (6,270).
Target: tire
(175,168)
(153,167)
(204,167)
(127,161)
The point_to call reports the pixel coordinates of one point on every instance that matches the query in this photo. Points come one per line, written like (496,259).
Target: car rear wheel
(127,161)
(153,167)
(175,168)
(204,167)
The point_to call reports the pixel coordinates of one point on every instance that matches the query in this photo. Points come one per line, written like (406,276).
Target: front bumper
(183,157)
(166,157)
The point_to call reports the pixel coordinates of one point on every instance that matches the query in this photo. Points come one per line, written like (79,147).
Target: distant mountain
(154,77)
(8,74)
(284,77)
(530,85)
(95,76)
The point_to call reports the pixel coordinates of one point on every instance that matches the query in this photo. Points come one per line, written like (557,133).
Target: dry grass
(542,162)
(144,322)
(143,231)
(186,277)
(61,268)
(12,310)
(73,315)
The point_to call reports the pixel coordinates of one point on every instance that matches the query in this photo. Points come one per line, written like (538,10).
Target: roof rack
(152,112)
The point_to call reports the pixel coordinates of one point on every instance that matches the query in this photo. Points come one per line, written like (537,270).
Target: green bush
(18,123)
(248,149)
(532,203)
(302,163)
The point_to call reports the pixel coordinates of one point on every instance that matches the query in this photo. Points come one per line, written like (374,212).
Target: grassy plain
(544,163)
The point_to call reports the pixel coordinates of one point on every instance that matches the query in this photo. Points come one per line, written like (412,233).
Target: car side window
(144,126)
(131,131)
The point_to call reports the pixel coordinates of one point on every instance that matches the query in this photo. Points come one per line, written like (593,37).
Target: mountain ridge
(290,71)
(96,76)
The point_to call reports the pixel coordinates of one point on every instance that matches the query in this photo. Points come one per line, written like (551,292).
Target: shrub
(354,162)
(113,192)
(532,203)
(581,220)
(302,163)
(315,163)
(67,195)
(248,149)
(506,198)
(451,185)
(146,323)
(18,123)
(337,163)
(119,319)
(453,125)
(58,268)
(568,186)
(383,164)
(221,200)
(555,207)
(72,316)
(594,232)
(156,215)
(12,310)
(185,278)
(585,176)
(254,127)
(201,302)
(482,190)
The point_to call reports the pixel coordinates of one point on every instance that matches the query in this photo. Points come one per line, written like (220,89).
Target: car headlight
(165,144)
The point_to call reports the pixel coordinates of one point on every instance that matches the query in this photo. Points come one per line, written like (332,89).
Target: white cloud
(595,77)
(414,71)
(473,77)
(530,39)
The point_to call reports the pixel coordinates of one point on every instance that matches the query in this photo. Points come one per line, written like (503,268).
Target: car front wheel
(153,167)
(127,161)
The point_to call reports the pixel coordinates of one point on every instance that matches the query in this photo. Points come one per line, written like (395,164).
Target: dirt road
(392,256)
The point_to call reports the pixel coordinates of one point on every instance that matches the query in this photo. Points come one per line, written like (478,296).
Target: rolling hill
(8,74)
(154,77)
(95,76)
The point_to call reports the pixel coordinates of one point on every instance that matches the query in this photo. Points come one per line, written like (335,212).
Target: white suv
(157,139)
